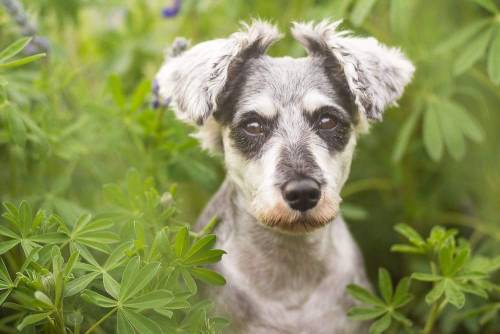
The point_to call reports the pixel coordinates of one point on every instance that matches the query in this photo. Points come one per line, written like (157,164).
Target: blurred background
(81,117)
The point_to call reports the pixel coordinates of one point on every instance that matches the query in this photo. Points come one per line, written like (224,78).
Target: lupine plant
(452,276)
(130,269)
(84,159)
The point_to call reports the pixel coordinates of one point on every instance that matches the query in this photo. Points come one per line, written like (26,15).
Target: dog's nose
(302,194)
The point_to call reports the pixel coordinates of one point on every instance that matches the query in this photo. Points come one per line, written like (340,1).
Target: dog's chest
(289,293)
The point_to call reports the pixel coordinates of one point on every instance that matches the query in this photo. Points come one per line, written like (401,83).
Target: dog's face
(287,126)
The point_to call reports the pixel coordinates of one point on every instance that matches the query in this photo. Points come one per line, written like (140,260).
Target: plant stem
(433,315)
(94,326)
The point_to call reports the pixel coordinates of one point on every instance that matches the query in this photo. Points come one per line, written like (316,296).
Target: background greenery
(80,118)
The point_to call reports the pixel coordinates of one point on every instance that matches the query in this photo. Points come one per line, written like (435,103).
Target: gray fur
(287,269)
(281,283)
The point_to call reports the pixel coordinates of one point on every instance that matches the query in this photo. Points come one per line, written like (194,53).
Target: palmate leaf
(461,36)
(135,279)
(402,296)
(453,293)
(436,292)
(472,52)
(151,300)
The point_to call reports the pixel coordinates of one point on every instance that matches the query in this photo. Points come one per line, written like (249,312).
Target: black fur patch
(337,138)
(251,145)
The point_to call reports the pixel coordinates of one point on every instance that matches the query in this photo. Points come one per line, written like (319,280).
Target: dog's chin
(286,220)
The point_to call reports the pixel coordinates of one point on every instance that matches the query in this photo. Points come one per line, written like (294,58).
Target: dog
(286,128)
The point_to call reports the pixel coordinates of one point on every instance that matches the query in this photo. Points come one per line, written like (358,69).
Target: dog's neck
(274,262)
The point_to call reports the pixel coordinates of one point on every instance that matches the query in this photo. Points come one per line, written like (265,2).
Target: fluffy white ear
(192,80)
(375,74)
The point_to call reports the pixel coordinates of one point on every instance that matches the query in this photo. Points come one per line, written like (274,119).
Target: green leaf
(123,326)
(361,294)
(399,317)
(4,275)
(32,319)
(405,134)
(22,61)
(451,130)
(489,5)
(400,15)
(446,258)
(140,93)
(77,285)
(453,293)
(399,248)
(134,280)
(16,126)
(409,233)
(142,324)
(181,241)
(494,58)
(116,88)
(385,284)
(151,300)
(7,232)
(111,285)
(189,281)
(361,10)
(435,293)
(205,242)
(380,325)
(472,52)
(426,277)
(401,296)
(461,36)
(470,127)
(461,258)
(14,48)
(42,297)
(97,299)
(208,276)
(432,134)
(210,256)
(5,246)
(365,313)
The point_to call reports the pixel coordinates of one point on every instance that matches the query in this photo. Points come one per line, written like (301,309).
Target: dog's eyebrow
(314,100)
(262,105)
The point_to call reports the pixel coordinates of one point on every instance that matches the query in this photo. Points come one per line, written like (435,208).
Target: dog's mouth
(282,217)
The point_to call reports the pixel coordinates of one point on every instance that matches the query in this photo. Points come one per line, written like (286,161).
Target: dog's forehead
(272,84)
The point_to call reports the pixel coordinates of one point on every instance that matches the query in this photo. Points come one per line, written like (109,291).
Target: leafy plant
(454,274)
(145,283)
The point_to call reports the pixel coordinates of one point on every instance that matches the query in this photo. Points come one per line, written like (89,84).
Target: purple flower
(172,10)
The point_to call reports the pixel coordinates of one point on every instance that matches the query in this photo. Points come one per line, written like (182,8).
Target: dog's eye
(327,122)
(253,128)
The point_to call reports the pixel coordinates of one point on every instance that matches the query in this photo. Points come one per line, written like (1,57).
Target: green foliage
(79,118)
(453,274)
(80,276)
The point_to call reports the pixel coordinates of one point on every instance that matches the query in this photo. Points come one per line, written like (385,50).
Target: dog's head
(287,126)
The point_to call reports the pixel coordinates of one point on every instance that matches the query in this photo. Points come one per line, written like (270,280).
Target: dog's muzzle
(301,194)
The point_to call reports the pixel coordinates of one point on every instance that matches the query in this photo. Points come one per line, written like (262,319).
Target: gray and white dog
(287,128)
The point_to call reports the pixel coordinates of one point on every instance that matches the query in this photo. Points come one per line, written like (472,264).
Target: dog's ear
(192,80)
(375,74)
